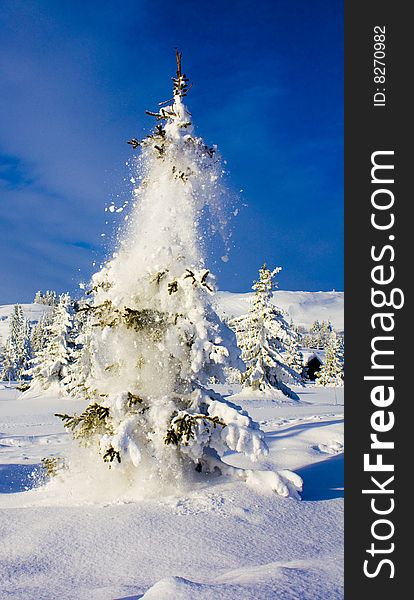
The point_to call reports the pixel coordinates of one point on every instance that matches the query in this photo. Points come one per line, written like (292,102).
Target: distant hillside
(303,307)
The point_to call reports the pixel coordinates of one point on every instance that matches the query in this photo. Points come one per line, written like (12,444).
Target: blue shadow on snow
(323,480)
(293,430)
(18,478)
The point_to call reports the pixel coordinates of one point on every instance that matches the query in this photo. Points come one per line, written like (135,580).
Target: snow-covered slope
(33,312)
(302,307)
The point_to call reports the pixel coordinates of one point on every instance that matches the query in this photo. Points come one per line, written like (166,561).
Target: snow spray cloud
(200,210)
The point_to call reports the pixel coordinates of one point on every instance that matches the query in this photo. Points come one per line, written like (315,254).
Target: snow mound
(299,578)
(270,395)
(331,447)
(177,588)
(284,483)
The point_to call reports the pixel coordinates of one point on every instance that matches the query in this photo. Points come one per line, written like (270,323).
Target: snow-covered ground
(218,540)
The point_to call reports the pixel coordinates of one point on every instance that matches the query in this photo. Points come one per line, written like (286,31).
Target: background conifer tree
(40,332)
(48,298)
(293,357)
(318,335)
(17,352)
(331,373)
(51,361)
(80,353)
(262,335)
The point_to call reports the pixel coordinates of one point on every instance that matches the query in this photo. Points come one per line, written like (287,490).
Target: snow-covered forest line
(303,308)
(36,319)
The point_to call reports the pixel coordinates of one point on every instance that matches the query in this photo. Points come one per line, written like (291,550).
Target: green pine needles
(182,427)
(52,465)
(111,454)
(93,420)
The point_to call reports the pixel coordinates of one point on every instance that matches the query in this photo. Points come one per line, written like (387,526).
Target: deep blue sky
(76,78)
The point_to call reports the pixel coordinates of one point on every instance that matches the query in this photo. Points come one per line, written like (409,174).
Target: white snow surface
(217,538)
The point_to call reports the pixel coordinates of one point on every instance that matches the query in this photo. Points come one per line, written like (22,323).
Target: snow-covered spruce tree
(155,340)
(331,373)
(319,334)
(312,337)
(292,356)
(40,332)
(261,335)
(50,363)
(233,375)
(80,355)
(38,299)
(26,353)
(48,298)
(325,333)
(17,352)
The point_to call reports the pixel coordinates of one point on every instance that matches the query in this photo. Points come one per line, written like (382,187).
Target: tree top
(181,81)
